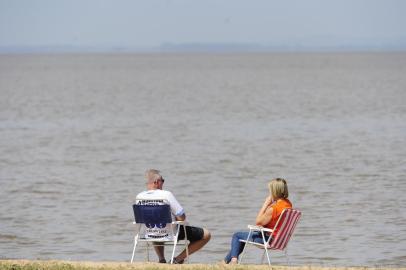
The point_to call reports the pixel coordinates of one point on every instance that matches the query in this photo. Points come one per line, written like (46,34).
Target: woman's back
(277,209)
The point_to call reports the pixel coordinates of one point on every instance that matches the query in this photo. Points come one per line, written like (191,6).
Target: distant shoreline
(87,265)
(203,48)
(214,53)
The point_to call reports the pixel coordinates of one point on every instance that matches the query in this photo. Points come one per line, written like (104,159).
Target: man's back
(155,195)
(159,197)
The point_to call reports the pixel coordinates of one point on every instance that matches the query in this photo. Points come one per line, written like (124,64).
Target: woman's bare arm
(265,213)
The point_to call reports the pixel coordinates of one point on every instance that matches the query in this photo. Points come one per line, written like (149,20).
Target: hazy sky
(132,23)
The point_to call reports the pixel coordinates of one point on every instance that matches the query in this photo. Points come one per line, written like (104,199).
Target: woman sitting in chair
(267,217)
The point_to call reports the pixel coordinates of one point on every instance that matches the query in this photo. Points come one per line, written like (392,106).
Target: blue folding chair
(154,226)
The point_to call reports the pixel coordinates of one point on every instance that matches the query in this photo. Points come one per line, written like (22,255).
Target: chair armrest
(178,222)
(259,228)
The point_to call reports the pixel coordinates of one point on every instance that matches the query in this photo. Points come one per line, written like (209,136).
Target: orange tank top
(278,207)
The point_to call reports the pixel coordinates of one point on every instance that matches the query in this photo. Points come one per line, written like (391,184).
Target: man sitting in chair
(198,237)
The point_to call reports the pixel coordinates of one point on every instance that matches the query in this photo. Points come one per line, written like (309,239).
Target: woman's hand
(268,201)
(265,214)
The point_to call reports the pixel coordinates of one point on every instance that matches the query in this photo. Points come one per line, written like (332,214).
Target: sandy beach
(80,265)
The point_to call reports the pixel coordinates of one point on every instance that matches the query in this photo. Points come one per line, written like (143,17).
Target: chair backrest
(286,225)
(155,218)
(152,215)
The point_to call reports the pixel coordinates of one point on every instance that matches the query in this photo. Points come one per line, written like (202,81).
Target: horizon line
(200,47)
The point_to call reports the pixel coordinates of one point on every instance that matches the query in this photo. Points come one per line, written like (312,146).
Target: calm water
(77,133)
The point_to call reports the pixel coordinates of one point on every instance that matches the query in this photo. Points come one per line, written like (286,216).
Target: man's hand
(181,217)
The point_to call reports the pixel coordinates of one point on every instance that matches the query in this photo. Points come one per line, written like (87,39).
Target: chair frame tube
(265,244)
(175,241)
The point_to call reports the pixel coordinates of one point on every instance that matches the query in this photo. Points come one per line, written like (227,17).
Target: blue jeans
(237,246)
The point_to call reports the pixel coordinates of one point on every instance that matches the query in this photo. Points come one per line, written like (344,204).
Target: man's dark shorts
(193,233)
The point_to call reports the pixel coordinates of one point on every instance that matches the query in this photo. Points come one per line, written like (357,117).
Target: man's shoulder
(154,193)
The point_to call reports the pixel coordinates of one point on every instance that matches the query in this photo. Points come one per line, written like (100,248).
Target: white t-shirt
(158,196)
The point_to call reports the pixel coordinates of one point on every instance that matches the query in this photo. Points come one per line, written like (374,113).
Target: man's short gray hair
(152,175)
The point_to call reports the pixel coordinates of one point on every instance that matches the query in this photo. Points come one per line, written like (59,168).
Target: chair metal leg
(186,245)
(135,245)
(147,249)
(187,251)
(243,250)
(175,242)
(263,257)
(265,247)
(267,256)
(287,258)
(173,251)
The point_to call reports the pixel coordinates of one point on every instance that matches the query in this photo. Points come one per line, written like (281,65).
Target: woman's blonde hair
(278,188)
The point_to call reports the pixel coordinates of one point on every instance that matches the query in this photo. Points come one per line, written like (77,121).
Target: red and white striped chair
(286,225)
